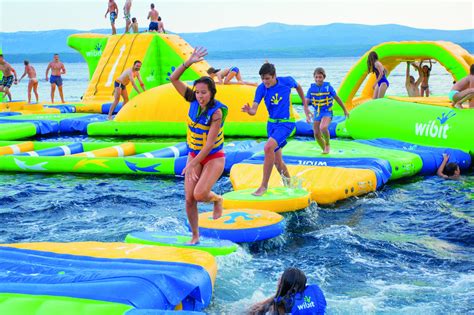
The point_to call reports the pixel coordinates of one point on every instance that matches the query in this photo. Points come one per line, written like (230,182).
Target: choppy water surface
(407,249)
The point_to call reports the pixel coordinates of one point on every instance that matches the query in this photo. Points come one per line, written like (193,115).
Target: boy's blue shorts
(321,115)
(280,131)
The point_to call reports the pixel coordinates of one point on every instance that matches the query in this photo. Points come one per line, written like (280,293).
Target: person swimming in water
(381,83)
(33,83)
(205,141)
(293,296)
(224,76)
(448,170)
(412,86)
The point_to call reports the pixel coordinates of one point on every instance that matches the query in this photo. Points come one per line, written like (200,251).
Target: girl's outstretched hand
(198,55)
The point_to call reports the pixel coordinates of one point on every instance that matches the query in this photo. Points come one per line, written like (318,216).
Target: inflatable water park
(383,141)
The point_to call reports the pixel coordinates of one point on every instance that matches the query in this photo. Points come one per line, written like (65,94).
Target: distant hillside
(268,40)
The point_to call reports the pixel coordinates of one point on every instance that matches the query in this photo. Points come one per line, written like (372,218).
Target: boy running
(276,93)
(321,96)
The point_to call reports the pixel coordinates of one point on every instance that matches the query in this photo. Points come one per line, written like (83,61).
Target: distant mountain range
(270,40)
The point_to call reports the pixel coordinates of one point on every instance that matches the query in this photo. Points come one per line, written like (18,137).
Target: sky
(186,16)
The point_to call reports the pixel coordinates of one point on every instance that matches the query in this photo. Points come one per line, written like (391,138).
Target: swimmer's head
(412,79)
(268,74)
(26,62)
(319,75)
(451,169)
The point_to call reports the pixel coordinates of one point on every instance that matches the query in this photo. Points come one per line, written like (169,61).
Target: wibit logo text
(435,128)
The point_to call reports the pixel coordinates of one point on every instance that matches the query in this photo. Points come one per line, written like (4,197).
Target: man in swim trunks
(153,16)
(463,91)
(112,8)
(127,15)
(33,84)
(412,86)
(8,80)
(57,69)
(276,92)
(128,76)
(225,75)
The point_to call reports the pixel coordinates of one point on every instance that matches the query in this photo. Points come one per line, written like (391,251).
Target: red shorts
(210,157)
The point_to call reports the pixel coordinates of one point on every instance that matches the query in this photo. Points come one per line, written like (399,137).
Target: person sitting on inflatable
(321,96)
(205,142)
(224,76)
(293,297)
(381,84)
(463,91)
(448,170)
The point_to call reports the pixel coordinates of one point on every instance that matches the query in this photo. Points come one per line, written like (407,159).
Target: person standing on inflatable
(112,8)
(57,70)
(276,93)
(205,142)
(321,96)
(293,297)
(381,84)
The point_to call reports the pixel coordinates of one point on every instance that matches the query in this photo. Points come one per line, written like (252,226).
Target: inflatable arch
(453,57)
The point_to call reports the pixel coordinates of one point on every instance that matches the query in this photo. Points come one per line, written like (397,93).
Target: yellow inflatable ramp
(326,184)
(119,54)
(122,150)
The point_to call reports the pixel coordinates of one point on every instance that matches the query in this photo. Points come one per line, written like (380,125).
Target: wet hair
(56,54)
(212,70)
(267,68)
(135,62)
(471,70)
(159,18)
(1,55)
(152,5)
(211,85)
(450,168)
(26,62)
(190,95)
(412,78)
(292,281)
(319,70)
(371,59)
(134,20)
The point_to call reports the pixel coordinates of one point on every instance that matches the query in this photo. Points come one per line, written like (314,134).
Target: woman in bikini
(205,142)
(425,73)
(224,76)
(381,84)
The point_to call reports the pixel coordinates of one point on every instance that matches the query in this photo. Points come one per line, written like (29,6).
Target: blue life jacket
(321,97)
(199,125)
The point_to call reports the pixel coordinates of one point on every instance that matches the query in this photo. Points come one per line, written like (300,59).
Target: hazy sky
(205,15)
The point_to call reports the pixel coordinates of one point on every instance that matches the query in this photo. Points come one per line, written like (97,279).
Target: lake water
(406,249)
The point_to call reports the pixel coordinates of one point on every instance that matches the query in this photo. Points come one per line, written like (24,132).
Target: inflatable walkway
(117,276)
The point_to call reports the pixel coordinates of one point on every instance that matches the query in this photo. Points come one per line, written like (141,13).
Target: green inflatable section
(416,123)
(151,128)
(17,131)
(404,164)
(11,303)
(91,48)
(391,54)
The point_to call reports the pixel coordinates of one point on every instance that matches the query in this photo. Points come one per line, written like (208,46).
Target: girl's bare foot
(260,191)
(326,150)
(194,240)
(217,212)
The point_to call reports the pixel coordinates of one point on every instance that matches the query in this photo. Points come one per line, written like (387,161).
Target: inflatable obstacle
(277,199)
(145,277)
(242,225)
(213,246)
